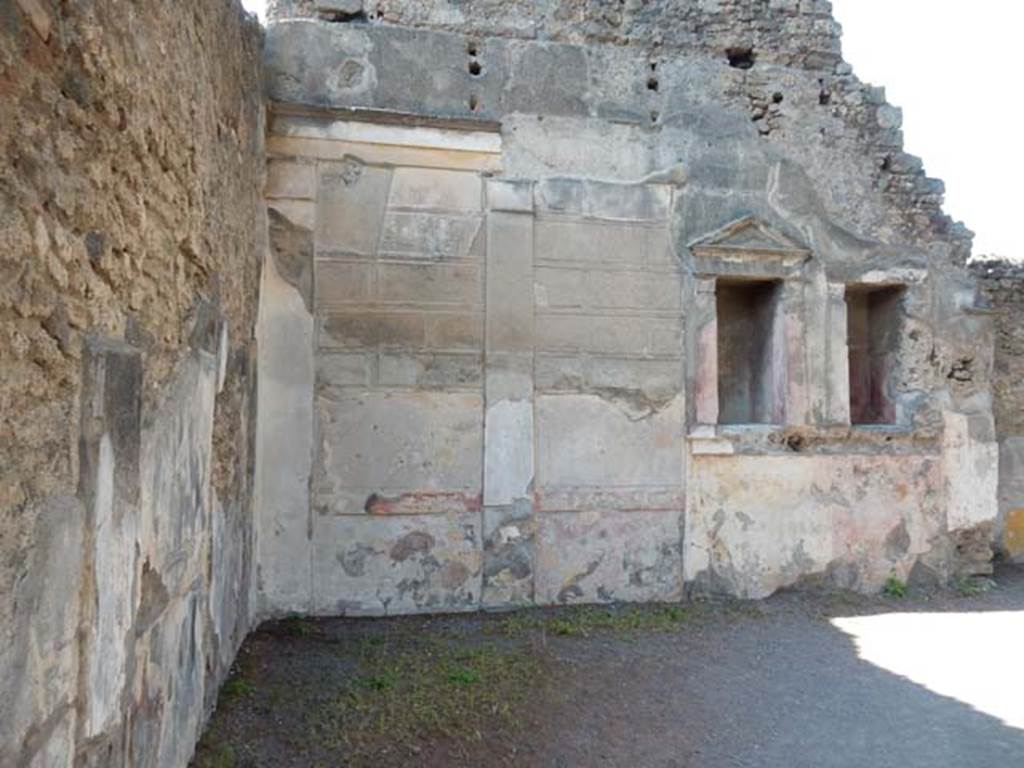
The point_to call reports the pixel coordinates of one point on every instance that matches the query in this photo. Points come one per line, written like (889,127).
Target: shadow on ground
(727,684)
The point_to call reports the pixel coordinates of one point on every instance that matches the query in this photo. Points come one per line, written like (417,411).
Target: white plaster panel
(397,443)
(614,440)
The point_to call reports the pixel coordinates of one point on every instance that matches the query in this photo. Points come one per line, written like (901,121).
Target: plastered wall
(131,239)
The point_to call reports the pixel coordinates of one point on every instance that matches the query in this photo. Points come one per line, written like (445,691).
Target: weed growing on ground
(895,588)
(972,587)
(218,756)
(436,687)
(297,627)
(588,620)
(236,687)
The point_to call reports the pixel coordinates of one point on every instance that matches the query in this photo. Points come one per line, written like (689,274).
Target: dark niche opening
(873,326)
(751,353)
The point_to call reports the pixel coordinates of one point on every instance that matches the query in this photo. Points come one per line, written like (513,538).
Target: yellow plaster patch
(1013,538)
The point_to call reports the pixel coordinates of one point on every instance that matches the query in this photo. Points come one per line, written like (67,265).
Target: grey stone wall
(131,236)
(582,250)
(1003,285)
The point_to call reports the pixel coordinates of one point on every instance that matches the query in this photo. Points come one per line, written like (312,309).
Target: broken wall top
(758,104)
(799,33)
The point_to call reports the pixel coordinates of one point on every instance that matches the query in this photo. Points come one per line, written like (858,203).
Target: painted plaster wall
(131,236)
(567,449)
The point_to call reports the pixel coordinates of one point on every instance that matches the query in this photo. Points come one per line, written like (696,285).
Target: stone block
(510,321)
(340,369)
(431,371)
(560,196)
(436,190)
(431,236)
(403,450)
(377,566)
(298,54)
(342,282)
(422,284)
(560,288)
(510,196)
(617,438)
(509,376)
(443,88)
(464,331)
(600,557)
(546,79)
(657,379)
(633,336)
(589,242)
(618,289)
(370,329)
(560,373)
(290,179)
(627,202)
(350,207)
(508,451)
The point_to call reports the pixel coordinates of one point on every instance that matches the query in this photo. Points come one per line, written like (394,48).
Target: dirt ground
(922,679)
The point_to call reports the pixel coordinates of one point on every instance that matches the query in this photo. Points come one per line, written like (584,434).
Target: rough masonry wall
(621,61)
(1003,285)
(131,143)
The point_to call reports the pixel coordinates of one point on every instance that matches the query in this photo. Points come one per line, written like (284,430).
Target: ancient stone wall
(511,273)
(131,232)
(1003,285)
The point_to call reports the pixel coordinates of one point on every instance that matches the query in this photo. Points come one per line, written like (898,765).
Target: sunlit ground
(975,658)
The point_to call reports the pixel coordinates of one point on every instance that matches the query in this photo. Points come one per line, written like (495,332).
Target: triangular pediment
(749,234)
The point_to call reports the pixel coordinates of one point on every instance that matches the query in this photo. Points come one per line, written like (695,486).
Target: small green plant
(895,588)
(972,587)
(220,756)
(463,675)
(297,627)
(383,681)
(584,621)
(237,687)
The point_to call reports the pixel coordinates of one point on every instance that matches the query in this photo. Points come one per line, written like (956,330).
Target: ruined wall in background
(1003,285)
(131,230)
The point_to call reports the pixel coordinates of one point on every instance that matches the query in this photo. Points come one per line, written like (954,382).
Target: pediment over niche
(751,237)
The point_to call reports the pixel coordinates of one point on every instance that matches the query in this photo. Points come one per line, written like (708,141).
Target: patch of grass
(297,627)
(895,588)
(588,620)
(972,587)
(436,687)
(218,756)
(236,687)
(382,681)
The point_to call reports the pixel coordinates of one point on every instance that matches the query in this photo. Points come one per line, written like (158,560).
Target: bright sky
(952,67)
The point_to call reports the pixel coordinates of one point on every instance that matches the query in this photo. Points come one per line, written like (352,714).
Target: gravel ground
(932,679)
